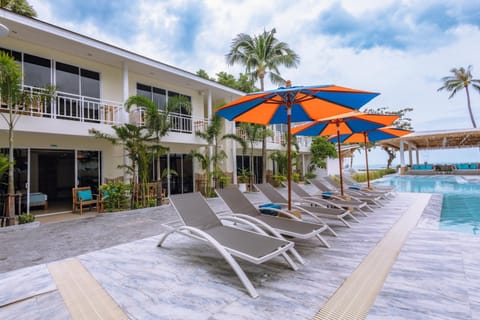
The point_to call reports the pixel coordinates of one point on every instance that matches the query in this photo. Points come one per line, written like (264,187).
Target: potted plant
(242,179)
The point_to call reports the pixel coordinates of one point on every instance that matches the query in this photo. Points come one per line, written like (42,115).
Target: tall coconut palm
(461,79)
(18,6)
(261,55)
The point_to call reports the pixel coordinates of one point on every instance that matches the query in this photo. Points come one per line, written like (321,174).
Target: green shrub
(375,174)
(310,175)
(115,196)
(26,218)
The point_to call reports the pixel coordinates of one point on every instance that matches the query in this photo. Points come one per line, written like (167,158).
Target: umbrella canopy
(294,104)
(371,136)
(348,123)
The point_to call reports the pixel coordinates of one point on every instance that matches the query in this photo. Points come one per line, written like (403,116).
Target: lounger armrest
(237,219)
(260,223)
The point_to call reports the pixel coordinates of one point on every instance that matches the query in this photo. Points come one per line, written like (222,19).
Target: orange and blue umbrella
(348,123)
(294,104)
(372,136)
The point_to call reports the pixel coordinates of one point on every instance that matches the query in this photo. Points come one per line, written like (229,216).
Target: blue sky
(400,48)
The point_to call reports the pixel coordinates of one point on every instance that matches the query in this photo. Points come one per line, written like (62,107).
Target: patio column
(417,155)
(234,154)
(210,147)
(409,153)
(124,114)
(402,158)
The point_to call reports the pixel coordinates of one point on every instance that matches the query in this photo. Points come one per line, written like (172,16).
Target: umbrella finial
(288,83)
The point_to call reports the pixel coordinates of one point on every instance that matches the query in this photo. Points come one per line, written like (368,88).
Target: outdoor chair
(347,202)
(83,197)
(309,208)
(292,226)
(324,207)
(383,193)
(371,198)
(353,184)
(198,221)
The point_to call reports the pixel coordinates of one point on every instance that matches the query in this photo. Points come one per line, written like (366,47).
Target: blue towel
(327,194)
(264,208)
(354,187)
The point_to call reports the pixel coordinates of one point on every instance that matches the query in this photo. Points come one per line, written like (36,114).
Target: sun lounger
(352,183)
(333,197)
(311,208)
(292,227)
(372,198)
(324,208)
(200,222)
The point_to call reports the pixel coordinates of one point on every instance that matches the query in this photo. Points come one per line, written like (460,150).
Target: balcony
(181,123)
(279,140)
(67,106)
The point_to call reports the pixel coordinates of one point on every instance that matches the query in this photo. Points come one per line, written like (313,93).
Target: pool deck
(113,259)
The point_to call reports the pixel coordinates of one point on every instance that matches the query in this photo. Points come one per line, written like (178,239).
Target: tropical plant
(261,55)
(26,218)
(205,160)
(461,79)
(213,134)
(158,123)
(253,133)
(136,142)
(115,196)
(243,175)
(11,97)
(18,6)
(321,149)
(403,122)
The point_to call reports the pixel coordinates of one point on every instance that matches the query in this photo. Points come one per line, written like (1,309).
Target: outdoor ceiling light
(3,30)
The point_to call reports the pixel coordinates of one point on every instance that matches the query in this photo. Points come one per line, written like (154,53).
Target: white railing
(179,122)
(62,105)
(86,109)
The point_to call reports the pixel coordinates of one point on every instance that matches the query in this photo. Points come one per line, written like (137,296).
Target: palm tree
(18,6)
(158,123)
(261,55)
(253,133)
(135,141)
(213,135)
(461,79)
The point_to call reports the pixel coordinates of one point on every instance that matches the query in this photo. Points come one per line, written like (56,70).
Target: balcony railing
(179,122)
(279,138)
(69,106)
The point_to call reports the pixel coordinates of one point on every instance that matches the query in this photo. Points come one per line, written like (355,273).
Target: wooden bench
(88,199)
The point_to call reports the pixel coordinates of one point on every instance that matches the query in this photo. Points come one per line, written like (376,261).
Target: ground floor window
(243,162)
(45,177)
(176,173)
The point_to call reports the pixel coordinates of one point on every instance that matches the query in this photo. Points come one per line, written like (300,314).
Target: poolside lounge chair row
(263,236)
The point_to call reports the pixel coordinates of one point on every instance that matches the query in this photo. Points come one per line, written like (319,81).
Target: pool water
(461,198)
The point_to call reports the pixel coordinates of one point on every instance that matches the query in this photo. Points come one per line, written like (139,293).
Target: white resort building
(54,150)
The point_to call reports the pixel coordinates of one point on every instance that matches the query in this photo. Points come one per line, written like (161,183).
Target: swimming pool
(461,198)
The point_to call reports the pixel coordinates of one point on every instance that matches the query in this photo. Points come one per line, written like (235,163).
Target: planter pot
(242,187)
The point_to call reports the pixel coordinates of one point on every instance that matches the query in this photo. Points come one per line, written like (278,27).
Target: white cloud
(406,77)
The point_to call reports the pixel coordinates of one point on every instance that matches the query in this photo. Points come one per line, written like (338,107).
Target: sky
(400,48)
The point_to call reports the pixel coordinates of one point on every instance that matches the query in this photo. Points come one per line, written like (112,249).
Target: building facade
(54,150)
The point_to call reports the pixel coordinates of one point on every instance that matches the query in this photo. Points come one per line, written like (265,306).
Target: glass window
(16,55)
(144,91)
(90,83)
(159,97)
(67,78)
(182,109)
(36,71)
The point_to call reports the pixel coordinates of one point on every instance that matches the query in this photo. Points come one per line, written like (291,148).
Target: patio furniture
(347,201)
(198,221)
(37,199)
(292,226)
(83,197)
(370,196)
(310,208)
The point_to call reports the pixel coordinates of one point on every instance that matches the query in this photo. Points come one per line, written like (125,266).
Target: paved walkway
(152,283)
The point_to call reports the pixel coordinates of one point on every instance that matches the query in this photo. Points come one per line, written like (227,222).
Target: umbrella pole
(366,158)
(289,158)
(340,158)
